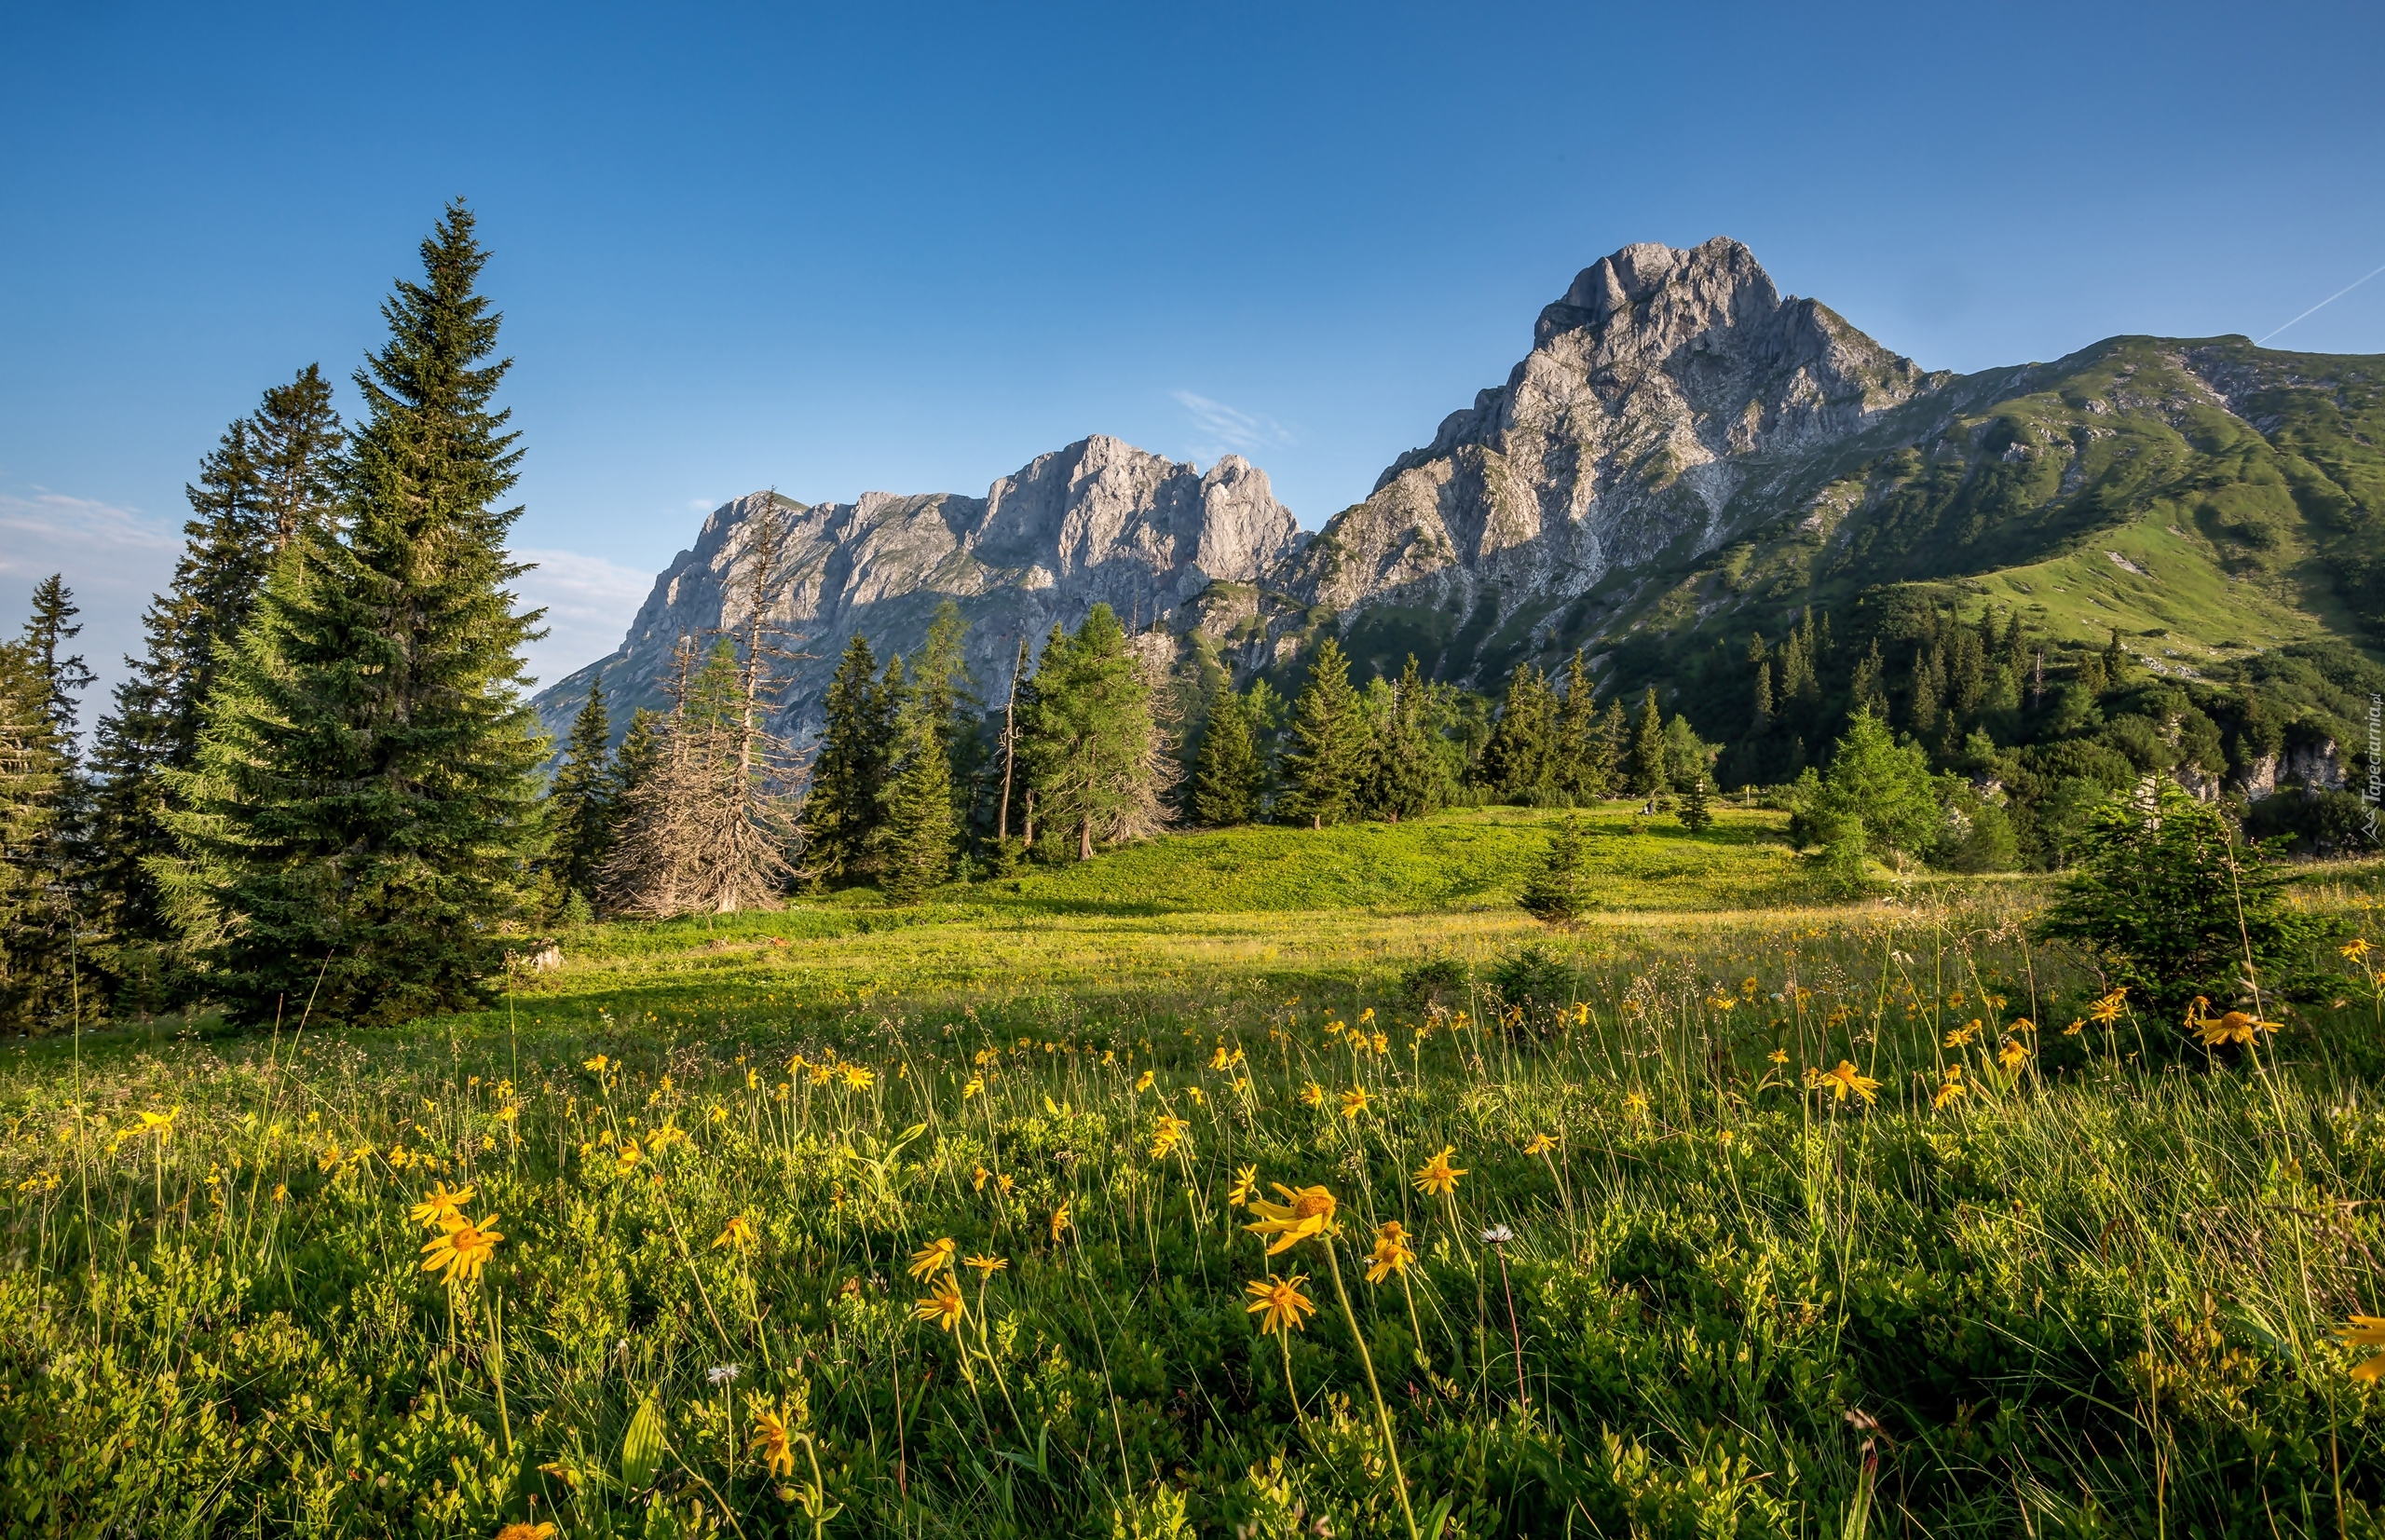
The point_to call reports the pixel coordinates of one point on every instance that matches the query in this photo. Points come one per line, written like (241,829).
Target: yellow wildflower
(1278,1303)
(976,1084)
(1392,1253)
(1144,1081)
(1845,1079)
(935,1257)
(1964,1035)
(600,1064)
(737,1235)
(1313,1095)
(2366,1331)
(1540,1144)
(944,1306)
(1953,1089)
(1061,1221)
(2014,1054)
(1244,1179)
(2356,950)
(1778,1055)
(977,1183)
(986,1266)
(1167,1135)
(1436,1175)
(441,1203)
(540,1530)
(771,1443)
(2106,1008)
(2075,1029)
(2237,1027)
(1636,1104)
(1306,1212)
(857,1078)
(626,1160)
(463,1248)
(160,1123)
(1353,1101)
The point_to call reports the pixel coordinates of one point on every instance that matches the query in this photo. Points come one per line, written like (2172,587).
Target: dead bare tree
(713,828)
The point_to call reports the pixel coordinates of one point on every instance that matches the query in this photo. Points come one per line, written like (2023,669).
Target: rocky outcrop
(1098,522)
(1668,396)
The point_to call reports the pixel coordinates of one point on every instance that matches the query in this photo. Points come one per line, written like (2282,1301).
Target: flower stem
(1382,1412)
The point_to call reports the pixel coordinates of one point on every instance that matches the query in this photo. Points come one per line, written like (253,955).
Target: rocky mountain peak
(1099,522)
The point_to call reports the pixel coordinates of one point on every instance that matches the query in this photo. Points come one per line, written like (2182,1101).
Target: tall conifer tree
(842,813)
(1647,776)
(1326,764)
(363,799)
(271,479)
(1229,776)
(1099,757)
(584,800)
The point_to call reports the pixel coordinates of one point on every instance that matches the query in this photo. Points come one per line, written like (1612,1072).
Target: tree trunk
(1085,838)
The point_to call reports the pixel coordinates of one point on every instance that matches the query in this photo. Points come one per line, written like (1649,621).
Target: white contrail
(2324,302)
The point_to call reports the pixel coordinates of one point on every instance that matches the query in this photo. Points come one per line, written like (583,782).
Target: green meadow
(1761,1217)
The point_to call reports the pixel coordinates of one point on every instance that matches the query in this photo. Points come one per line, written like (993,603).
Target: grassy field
(1766,1274)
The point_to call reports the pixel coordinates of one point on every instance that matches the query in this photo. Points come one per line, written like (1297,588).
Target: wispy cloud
(113,558)
(589,603)
(1225,430)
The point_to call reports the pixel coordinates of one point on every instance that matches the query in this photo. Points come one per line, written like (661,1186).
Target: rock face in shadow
(1098,522)
(1665,392)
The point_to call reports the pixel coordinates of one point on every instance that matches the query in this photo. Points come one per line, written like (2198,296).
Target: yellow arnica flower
(2106,1009)
(1167,1135)
(1061,1221)
(2015,1054)
(1306,1212)
(1954,1088)
(986,1266)
(2356,949)
(2236,1026)
(1635,1104)
(977,1182)
(1966,1035)
(2074,1028)
(626,1160)
(1312,1095)
(526,1532)
(160,1123)
(462,1248)
(1436,1175)
(737,1235)
(1246,1179)
(2366,1331)
(1778,1055)
(976,1084)
(1540,1144)
(944,1306)
(1278,1303)
(935,1257)
(439,1204)
(1144,1081)
(857,1078)
(1844,1080)
(772,1444)
(1353,1101)
(1392,1252)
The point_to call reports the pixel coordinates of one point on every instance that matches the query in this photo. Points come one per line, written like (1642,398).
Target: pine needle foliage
(583,802)
(1090,735)
(363,799)
(2172,903)
(1558,893)
(1228,777)
(1324,771)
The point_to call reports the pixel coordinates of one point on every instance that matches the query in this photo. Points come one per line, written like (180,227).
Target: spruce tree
(270,480)
(915,843)
(1099,759)
(1644,772)
(363,797)
(37,916)
(1227,777)
(63,676)
(1404,780)
(1697,812)
(1323,769)
(842,813)
(583,801)
(1516,762)
(1556,893)
(1575,752)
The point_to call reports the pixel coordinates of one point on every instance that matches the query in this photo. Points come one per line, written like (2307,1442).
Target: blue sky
(910,247)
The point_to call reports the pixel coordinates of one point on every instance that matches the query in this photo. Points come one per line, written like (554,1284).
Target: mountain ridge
(1683,452)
